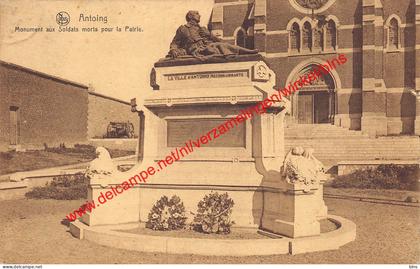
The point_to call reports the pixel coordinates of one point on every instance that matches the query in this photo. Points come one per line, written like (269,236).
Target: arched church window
(331,32)
(295,37)
(240,38)
(307,36)
(318,39)
(393,42)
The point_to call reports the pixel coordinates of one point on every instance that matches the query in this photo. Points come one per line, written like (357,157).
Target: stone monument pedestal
(190,99)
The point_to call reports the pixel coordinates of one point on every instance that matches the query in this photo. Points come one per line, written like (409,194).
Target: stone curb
(108,236)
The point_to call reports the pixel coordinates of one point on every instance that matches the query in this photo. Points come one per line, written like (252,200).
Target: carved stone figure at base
(195,40)
(300,166)
(102,166)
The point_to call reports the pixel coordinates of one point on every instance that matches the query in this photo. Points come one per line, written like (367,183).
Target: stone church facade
(377,90)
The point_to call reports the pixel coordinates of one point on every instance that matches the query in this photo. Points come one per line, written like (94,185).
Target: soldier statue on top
(195,40)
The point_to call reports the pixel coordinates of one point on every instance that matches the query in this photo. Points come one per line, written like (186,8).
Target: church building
(376,91)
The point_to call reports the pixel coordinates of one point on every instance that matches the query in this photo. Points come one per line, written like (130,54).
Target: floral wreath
(167,214)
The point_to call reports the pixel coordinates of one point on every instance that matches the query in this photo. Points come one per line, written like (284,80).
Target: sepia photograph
(209,132)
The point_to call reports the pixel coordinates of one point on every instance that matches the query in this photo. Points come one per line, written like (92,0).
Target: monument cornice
(202,100)
(211,75)
(189,60)
(236,95)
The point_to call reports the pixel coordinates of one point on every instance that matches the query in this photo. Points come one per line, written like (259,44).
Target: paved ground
(31,232)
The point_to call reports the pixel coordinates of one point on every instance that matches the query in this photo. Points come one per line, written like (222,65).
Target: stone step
(353,141)
(333,136)
(332,130)
(362,153)
(321,129)
(366,156)
(353,147)
(318,130)
(333,144)
(356,153)
(356,149)
(350,150)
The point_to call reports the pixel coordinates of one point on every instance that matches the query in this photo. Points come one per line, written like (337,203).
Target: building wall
(399,70)
(103,110)
(50,110)
(4,110)
(390,75)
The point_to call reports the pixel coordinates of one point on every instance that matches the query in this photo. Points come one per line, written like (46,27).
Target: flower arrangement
(167,214)
(213,215)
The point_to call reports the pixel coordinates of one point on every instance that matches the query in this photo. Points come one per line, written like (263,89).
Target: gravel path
(31,232)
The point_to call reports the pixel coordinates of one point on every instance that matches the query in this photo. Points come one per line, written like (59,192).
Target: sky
(113,63)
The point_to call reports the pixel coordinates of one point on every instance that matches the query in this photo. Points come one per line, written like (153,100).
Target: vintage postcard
(209,132)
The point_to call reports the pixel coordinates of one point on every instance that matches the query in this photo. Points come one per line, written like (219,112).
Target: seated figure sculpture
(195,40)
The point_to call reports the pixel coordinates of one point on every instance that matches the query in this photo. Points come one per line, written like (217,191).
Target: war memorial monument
(201,84)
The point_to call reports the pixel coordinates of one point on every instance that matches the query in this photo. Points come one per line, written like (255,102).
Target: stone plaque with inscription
(180,131)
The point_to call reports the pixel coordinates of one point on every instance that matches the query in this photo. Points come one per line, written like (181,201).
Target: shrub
(385,176)
(213,215)
(65,187)
(167,214)
(87,150)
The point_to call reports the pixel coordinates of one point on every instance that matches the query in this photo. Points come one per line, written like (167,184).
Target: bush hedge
(385,176)
(64,187)
(88,151)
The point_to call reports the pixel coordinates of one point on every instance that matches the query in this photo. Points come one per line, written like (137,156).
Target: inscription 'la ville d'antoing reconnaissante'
(239,74)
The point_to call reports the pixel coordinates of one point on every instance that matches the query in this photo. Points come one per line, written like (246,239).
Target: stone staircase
(333,144)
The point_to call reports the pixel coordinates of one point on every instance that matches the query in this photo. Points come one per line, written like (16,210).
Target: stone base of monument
(295,218)
(246,211)
(116,236)
(123,208)
(322,208)
(295,211)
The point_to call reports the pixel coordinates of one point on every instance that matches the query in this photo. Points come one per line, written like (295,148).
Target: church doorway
(315,103)
(314,107)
